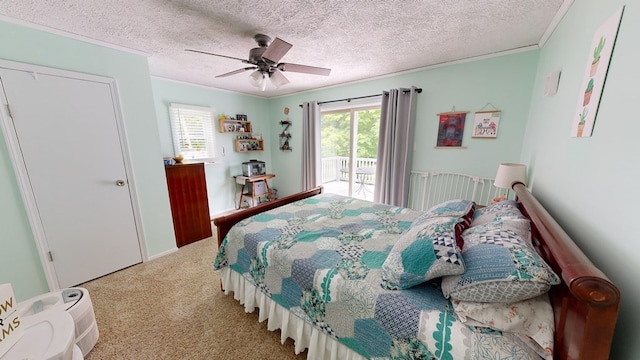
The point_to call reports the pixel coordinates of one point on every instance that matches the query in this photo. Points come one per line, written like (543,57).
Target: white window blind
(193,132)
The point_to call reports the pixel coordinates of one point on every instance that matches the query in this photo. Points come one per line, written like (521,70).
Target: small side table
(251,181)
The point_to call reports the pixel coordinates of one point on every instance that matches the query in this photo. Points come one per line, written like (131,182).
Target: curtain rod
(418,90)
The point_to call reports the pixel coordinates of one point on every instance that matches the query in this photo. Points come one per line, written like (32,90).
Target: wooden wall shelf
(234,126)
(285,135)
(249,145)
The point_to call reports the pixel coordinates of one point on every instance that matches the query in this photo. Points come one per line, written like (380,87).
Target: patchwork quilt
(321,259)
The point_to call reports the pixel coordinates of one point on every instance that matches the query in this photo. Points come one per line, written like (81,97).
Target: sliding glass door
(349,140)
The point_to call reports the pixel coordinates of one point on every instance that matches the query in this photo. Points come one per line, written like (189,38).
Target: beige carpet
(172,308)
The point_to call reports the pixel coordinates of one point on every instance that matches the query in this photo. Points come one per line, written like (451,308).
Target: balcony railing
(335,176)
(336,168)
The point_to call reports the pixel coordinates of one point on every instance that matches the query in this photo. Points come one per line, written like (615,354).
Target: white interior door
(68,138)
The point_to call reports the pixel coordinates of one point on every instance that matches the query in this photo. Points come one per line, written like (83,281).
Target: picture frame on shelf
(241,117)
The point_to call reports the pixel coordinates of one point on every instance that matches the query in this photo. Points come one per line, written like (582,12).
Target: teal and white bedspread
(321,258)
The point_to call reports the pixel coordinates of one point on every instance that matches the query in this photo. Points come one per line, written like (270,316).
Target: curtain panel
(311,162)
(395,146)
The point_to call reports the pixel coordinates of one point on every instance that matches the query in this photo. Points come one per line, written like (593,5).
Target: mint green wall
(590,184)
(221,187)
(21,264)
(504,81)
(576,179)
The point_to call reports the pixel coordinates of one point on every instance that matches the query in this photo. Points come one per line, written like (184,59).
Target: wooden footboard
(224,223)
(586,303)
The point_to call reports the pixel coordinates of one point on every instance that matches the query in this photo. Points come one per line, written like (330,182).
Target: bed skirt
(291,326)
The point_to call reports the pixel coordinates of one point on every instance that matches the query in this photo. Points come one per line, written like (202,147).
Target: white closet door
(68,136)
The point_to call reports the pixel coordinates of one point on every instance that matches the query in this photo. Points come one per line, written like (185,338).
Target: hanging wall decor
(451,129)
(485,124)
(594,77)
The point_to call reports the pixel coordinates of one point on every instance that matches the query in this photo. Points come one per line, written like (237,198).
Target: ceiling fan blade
(304,69)
(276,50)
(224,56)
(237,71)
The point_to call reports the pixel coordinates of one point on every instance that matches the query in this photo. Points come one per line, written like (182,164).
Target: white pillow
(531,320)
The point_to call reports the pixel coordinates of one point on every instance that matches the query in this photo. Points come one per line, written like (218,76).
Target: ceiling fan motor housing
(255,56)
(262,40)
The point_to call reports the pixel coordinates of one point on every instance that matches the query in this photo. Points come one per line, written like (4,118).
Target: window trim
(207,131)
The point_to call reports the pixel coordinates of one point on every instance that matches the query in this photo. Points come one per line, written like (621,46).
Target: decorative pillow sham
(423,253)
(531,320)
(500,266)
(507,209)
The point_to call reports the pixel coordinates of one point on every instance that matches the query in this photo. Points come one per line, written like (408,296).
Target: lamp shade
(278,79)
(258,79)
(509,173)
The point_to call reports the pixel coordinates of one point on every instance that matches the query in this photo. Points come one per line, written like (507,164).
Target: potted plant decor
(587,92)
(583,120)
(596,56)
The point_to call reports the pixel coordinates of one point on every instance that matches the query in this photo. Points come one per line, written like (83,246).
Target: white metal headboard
(431,188)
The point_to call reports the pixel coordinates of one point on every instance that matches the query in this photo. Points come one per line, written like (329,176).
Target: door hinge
(9,111)
(50,256)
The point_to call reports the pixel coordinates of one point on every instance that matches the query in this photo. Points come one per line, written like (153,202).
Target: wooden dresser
(189,202)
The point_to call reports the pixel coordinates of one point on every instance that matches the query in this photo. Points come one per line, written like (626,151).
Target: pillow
(451,208)
(507,209)
(531,320)
(519,225)
(500,266)
(462,209)
(424,252)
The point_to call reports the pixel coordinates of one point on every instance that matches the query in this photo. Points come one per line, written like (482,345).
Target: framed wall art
(451,129)
(595,75)
(485,124)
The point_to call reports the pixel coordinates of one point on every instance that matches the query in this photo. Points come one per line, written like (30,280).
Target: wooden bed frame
(585,304)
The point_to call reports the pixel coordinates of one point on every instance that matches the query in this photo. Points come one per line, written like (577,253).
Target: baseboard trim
(172,250)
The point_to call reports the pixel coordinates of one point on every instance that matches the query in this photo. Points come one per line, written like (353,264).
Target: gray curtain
(395,146)
(311,171)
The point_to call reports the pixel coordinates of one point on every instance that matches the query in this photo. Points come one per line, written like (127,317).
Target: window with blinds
(193,132)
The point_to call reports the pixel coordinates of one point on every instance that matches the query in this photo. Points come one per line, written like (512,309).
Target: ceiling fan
(265,61)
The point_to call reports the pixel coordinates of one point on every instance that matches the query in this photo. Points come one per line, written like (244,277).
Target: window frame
(204,134)
(352,110)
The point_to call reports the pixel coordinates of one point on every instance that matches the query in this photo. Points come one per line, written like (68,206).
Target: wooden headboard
(586,304)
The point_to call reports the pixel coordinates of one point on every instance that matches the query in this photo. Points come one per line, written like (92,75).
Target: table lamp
(508,174)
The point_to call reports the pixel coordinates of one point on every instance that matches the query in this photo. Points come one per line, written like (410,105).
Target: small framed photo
(241,117)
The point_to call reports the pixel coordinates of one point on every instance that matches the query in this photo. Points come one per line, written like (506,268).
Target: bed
(340,289)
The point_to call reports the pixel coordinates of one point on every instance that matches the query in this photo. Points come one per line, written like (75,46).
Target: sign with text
(10,329)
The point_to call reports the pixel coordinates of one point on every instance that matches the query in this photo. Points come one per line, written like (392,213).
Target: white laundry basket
(77,302)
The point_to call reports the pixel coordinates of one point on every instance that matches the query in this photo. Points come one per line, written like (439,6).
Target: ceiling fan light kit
(278,79)
(265,60)
(257,79)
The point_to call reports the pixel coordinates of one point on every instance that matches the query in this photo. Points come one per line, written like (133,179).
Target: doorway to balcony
(349,141)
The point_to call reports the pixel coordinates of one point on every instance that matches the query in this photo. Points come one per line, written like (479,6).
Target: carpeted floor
(172,308)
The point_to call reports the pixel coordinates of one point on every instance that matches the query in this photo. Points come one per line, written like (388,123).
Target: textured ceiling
(356,39)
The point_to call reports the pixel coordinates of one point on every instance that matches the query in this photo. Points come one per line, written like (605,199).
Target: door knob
(120,182)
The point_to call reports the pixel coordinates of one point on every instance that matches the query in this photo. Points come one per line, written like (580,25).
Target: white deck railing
(332,168)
